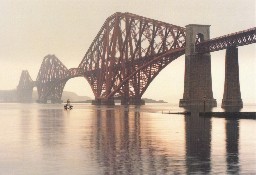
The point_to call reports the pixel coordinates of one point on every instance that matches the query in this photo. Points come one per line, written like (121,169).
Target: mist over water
(45,139)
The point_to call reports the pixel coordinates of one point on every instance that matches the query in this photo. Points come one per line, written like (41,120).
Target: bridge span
(129,51)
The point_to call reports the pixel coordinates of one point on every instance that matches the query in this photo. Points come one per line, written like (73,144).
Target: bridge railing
(232,40)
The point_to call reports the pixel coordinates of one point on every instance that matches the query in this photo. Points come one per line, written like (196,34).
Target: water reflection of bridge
(122,142)
(128,141)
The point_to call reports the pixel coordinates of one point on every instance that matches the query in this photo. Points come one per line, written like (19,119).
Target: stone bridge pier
(198,79)
(232,93)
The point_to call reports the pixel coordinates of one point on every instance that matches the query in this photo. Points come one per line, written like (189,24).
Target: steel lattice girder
(148,71)
(236,39)
(124,43)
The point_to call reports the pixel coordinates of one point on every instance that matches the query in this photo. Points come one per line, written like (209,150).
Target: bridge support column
(124,101)
(49,99)
(136,101)
(232,94)
(125,98)
(198,79)
(103,101)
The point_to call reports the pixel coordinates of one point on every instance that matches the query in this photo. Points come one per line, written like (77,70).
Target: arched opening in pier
(199,38)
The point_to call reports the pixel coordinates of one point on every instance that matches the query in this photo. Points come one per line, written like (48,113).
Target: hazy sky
(31,29)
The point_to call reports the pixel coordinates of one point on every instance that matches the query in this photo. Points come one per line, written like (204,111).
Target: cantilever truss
(124,44)
(51,79)
(25,87)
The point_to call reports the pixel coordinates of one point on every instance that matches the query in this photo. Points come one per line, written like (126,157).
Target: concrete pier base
(209,103)
(232,94)
(52,101)
(125,101)
(232,103)
(136,101)
(103,102)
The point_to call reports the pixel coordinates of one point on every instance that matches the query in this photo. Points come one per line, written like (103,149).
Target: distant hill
(73,97)
(147,100)
(11,96)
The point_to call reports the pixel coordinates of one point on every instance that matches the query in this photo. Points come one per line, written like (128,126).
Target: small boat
(68,106)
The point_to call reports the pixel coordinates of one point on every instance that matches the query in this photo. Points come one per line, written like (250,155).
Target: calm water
(45,139)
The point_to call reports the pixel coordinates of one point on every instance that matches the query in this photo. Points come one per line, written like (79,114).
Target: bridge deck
(241,38)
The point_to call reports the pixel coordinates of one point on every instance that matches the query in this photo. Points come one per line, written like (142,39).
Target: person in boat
(68,102)
(68,105)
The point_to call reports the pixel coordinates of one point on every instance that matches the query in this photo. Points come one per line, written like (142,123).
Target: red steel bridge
(127,54)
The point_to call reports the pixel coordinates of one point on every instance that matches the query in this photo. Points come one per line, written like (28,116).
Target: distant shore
(10,96)
(147,100)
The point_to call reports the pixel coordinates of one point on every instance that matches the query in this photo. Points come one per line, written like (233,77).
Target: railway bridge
(129,51)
